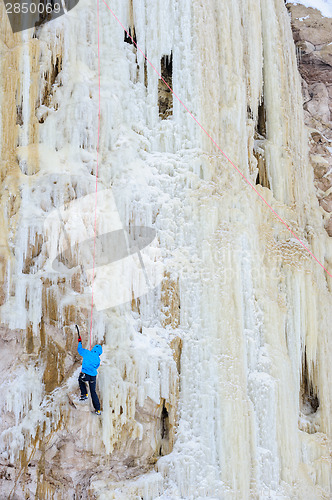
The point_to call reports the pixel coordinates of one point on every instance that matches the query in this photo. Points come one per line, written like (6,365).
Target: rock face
(313,39)
(215,377)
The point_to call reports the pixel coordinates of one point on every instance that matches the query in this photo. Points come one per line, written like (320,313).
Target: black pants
(91,379)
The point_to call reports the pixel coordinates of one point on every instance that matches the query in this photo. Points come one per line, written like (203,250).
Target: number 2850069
(33,8)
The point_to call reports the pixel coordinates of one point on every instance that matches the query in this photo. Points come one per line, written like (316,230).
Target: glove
(79,339)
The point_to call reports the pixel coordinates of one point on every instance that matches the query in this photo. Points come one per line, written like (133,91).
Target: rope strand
(97,165)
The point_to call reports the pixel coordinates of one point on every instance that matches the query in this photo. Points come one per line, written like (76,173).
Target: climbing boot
(83,397)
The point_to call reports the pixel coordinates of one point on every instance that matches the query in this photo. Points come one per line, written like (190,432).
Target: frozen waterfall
(215,381)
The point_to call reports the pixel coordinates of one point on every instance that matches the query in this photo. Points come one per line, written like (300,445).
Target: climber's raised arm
(80,349)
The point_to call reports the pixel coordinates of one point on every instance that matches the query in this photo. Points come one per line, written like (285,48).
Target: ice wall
(217,383)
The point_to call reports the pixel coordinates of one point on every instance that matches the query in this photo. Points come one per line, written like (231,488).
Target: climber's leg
(81,383)
(94,397)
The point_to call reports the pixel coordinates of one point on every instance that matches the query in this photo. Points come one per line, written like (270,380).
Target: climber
(88,374)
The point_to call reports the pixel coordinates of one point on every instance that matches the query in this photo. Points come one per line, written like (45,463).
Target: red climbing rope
(96,196)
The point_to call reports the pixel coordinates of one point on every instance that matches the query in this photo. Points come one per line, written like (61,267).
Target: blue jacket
(91,359)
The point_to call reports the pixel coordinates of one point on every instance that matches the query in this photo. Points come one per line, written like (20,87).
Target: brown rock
(326,203)
(315,28)
(318,106)
(326,54)
(323,184)
(313,36)
(170,301)
(319,171)
(328,226)
(305,47)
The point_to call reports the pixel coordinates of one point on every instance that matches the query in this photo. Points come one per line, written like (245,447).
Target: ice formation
(217,382)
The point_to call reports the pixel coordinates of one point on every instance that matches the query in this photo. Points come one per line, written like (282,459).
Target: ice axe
(78,334)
